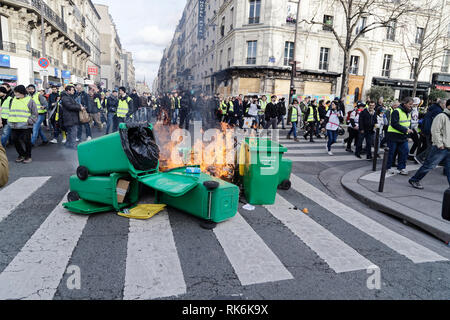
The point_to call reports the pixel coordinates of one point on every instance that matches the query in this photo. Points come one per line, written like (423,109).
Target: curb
(440,229)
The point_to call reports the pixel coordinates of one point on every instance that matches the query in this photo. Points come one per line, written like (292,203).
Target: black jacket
(281,106)
(69,110)
(271,111)
(367,121)
(136,100)
(111,105)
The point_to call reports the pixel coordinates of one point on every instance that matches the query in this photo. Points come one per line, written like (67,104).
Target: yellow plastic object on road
(142,211)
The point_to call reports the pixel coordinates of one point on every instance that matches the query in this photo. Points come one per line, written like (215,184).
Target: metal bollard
(383,170)
(446,205)
(376,147)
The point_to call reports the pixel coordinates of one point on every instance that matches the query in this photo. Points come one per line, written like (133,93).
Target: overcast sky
(145,28)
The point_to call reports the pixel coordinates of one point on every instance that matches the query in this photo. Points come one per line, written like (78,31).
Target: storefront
(403,88)
(7,74)
(441,81)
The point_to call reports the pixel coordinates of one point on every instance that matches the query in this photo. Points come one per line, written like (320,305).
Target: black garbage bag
(139,145)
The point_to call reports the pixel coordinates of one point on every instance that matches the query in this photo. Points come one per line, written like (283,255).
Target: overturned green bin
(116,153)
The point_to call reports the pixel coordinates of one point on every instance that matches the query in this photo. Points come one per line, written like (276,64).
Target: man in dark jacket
(112,103)
(70,115)
(136,100)
(239,111)
(433,111)
(281,112)
(185,110)
(397,135)
(81,97)
(271,113)
(367,121)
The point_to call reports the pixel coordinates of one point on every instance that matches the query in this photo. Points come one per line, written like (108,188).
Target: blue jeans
(37,130)
(80,130)
(110,122)
(6,134)
(293,130)
(403,150)
(332,138)
(71,133)
(434,158)
(175,113)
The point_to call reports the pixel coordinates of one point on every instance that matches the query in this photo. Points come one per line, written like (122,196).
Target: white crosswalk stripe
(39,267)
(17,192)
(337,254)
(153,268)
(325,158)
(393,240)
(250,257)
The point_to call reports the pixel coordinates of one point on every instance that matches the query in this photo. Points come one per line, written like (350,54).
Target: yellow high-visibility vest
(123,108)
(38,103)
(311,115)
(5,108)
(405,121)
(19,112)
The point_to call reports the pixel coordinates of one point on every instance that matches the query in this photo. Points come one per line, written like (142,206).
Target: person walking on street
(5,102)
(185,111)
(353,128)
(367,122)
(53,100)
(415,136)
(397,136)
(253,112)
(70,119)
(42,106)
(23,114)
(95,105)
(111,115)
(293,117)
(81,97)
(262,111)
(125,106)
(440,151)
(271,113)
(281,106)
(311,117)
(333,119)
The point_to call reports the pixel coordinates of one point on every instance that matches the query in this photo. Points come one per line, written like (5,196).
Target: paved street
(273,252)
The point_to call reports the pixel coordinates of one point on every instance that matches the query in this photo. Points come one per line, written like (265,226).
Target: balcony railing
(48,13)
(8,46)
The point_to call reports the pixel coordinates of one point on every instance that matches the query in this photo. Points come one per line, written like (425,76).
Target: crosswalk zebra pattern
(153,266)
(305,151)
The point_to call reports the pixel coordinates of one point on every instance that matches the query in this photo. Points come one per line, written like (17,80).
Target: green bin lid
(265,145)
(87,207)
(175,184)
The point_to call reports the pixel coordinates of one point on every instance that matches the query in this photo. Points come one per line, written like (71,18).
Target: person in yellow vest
(397,136)
(223,107)
(23,114)
(42,105)
(311,118)
(5,101)
(294,115)
(125,107)
(95,107)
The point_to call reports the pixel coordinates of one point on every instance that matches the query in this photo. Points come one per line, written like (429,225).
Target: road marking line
(38,268)
(408,248)
(314,151)
(17,192)
(153,268)
(251,258)
(325,158)
(337,254)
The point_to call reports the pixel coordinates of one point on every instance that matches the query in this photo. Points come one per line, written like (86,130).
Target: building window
(291,12)
(446,61)
(413,68)
(229,57)
(354,65)
(222,27)
(251,52)
(324,56)
(387,64)
(232,18)
(390,35)
(288,53)
(328,23)
(255,8)
(361,25)
(419,35)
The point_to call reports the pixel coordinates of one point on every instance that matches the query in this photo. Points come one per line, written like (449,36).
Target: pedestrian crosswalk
(305,151)
(155,270)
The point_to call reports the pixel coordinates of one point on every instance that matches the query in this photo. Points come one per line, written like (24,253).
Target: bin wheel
(73,196)
(285,185)
(208,225)
(82,173)
(211,185)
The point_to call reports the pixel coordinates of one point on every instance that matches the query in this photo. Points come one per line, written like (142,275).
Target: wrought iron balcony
(35,53)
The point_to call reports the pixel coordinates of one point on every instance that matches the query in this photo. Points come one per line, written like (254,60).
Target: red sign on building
(93,71)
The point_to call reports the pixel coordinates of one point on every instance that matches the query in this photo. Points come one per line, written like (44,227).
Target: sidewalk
(422,208)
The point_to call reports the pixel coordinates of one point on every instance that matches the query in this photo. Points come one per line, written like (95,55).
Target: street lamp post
(44,53)
(294,62)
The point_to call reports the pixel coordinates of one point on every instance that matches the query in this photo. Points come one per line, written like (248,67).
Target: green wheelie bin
(113,153)
(101,193)
(264,170)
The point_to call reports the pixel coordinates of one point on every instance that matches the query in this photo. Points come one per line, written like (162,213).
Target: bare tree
(377,13)
(425,37)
